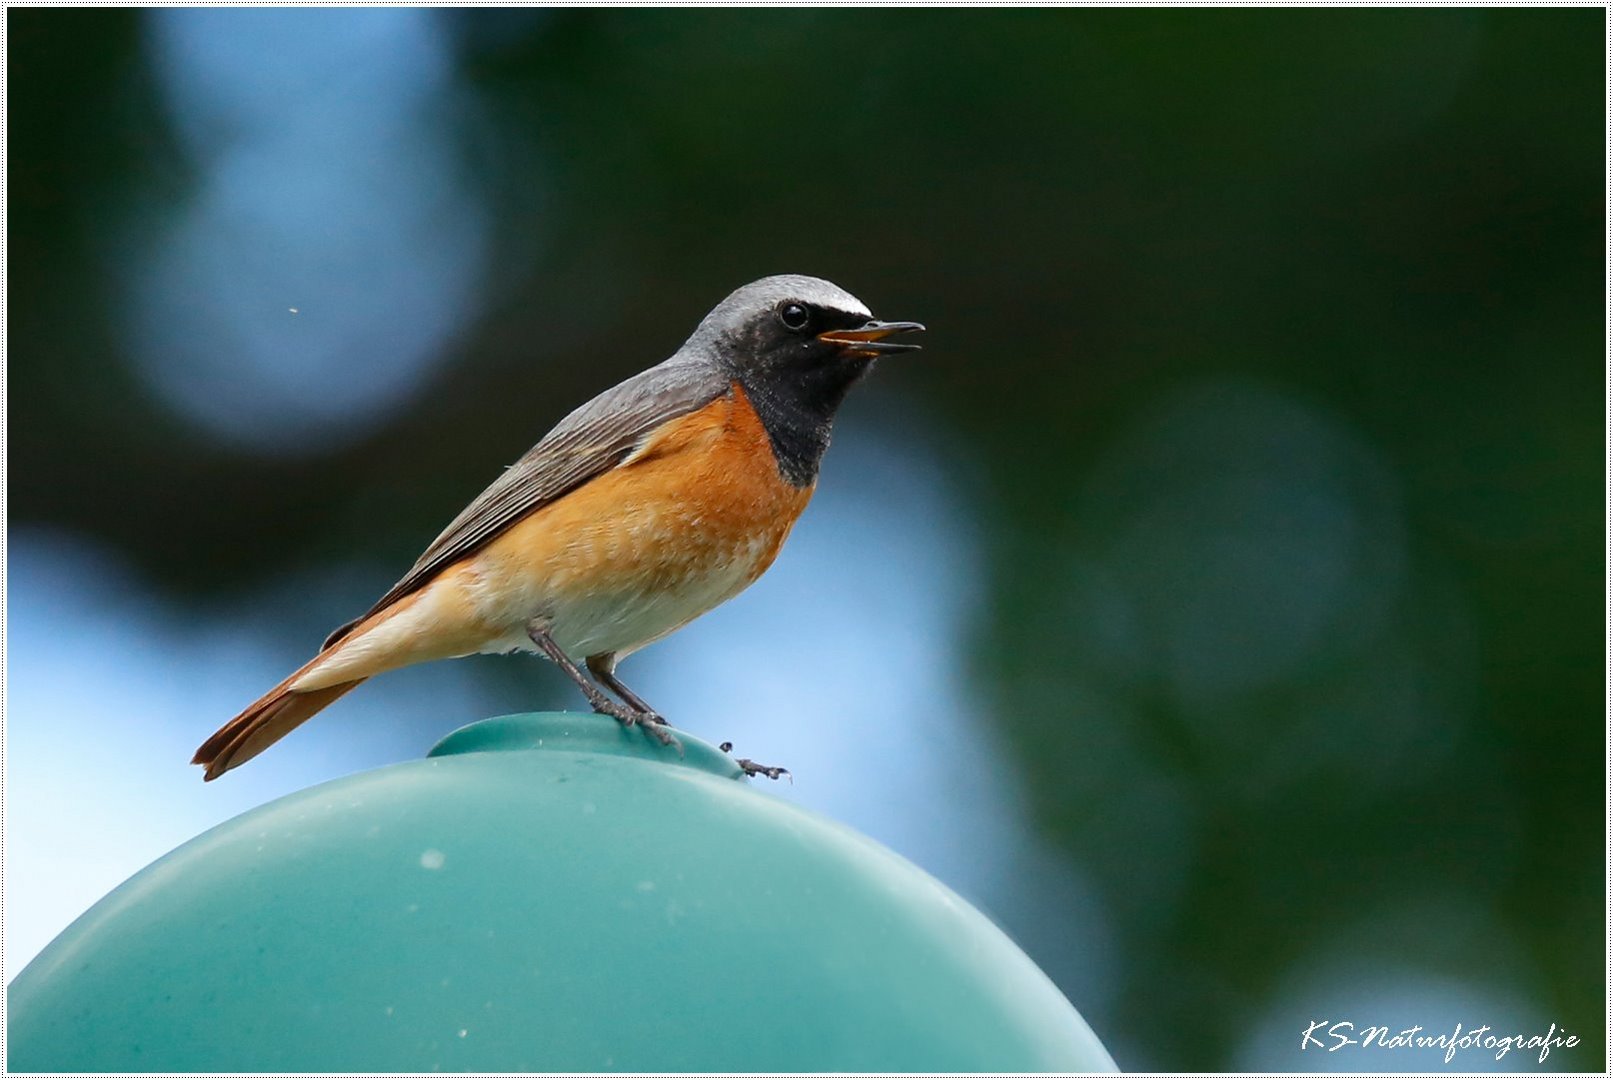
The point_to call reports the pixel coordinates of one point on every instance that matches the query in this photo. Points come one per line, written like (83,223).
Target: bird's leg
(626,715)
(603,665)
(750,768)
(596,697)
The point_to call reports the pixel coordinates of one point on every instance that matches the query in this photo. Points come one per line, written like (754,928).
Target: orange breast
(689,520)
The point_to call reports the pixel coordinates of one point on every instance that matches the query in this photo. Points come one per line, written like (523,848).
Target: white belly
(625,620)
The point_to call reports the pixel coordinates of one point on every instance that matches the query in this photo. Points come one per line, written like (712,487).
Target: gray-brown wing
(593,439)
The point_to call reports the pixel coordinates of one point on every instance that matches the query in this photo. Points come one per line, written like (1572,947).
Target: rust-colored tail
(265,722)
(270,718)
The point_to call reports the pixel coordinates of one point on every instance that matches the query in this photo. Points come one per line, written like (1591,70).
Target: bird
(643,509)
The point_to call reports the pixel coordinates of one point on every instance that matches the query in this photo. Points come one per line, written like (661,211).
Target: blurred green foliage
(1173,262)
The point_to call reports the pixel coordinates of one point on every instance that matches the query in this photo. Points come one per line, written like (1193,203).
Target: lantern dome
(544,892)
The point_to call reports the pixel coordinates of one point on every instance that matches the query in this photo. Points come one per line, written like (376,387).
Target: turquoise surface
(546,892)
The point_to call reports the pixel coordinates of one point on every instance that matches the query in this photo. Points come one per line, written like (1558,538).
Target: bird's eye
(794,316)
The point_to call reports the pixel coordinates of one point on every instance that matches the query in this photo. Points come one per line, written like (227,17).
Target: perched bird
(645,508)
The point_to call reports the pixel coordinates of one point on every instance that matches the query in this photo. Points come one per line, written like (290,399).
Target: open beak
(869,339)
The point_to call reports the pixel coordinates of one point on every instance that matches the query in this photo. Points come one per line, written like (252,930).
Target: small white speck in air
(463,1032)
(292,310)
(432,859)
(389,1010)
(646,886)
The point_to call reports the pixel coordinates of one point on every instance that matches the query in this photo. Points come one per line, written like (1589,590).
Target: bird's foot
(750,768)
(651,723)
(657,729)
(772,772)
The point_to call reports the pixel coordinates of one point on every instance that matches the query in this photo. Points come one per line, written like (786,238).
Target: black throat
(797,409)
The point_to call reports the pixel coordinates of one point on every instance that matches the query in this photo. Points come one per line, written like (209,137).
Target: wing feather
(592,440)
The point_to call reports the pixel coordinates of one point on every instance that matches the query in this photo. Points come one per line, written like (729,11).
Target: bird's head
(795,345)
(795,331)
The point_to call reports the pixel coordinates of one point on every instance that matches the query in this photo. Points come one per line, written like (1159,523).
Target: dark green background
(1173,263)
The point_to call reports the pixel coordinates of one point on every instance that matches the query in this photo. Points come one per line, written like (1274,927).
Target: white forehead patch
(760,295)
(748,301)
(811,290)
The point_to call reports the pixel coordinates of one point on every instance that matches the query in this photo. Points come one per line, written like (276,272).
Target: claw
(750,768)
(650,723)
(656,728)
(772,772)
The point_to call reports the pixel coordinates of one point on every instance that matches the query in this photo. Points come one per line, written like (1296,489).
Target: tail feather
(270,718)
(264,723)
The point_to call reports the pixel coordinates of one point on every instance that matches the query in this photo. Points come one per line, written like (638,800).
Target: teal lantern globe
(544,892)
